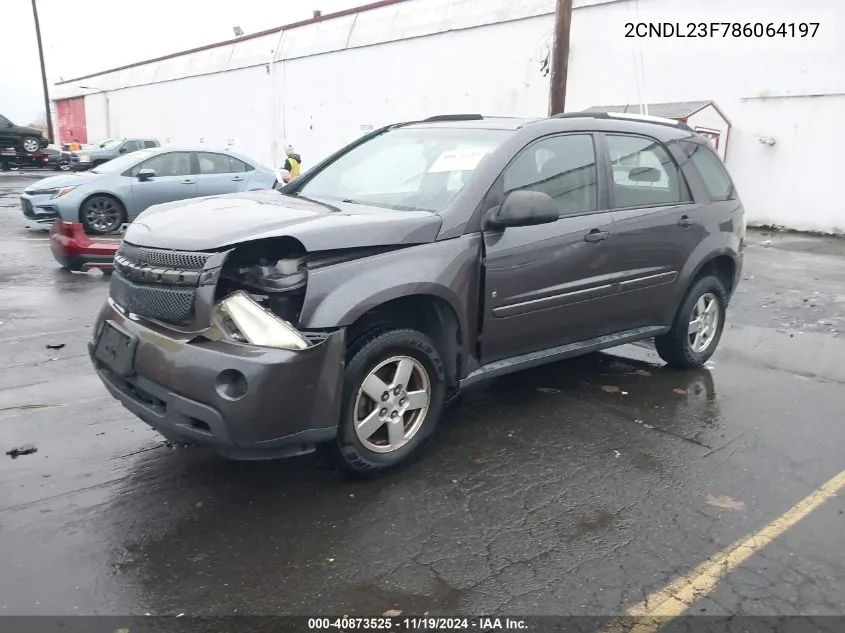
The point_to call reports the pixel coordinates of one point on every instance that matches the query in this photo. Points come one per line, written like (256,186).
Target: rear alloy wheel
(393,396)
(698,326)
(102,215)
(31,144)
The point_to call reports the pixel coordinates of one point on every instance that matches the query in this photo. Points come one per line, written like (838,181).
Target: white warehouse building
(771,98)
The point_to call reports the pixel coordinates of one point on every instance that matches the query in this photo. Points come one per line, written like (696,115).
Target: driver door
(173,180)
(550,284)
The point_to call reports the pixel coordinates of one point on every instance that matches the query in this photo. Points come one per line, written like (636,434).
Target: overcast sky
(86,36)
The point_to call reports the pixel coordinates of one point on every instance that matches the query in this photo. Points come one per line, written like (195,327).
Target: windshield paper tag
(459,160)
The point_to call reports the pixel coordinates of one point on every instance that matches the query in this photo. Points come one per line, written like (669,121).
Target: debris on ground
(610,389)
(724,501)
(548,390)
(680,392)
(642,372)
(27,449)
(27,407)
(55,345)
(392,613)
(617,454)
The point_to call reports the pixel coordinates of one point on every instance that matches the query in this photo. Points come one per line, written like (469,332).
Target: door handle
(187,182)
(596,236)
(685,221)
(237,178)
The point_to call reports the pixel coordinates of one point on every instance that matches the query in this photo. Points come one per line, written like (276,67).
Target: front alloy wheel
(102,215)
(392,404)
(394,389)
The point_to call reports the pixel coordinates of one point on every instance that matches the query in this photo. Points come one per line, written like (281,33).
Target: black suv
(343,310)
(28,139)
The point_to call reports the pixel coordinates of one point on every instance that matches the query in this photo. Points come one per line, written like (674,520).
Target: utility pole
(47,113)
(560,57)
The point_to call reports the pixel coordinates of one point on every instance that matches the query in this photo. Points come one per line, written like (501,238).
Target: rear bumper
(285,403)
(74,250)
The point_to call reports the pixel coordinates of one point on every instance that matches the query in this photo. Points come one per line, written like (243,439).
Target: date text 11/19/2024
(416,624)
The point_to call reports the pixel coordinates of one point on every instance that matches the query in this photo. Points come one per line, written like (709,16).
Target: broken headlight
(240,319)
(285,275)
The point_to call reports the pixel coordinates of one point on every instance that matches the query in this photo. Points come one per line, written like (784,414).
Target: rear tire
(102,215)
(393,393)
(698,326)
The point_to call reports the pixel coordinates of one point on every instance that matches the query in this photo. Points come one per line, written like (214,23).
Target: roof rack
(454,117)
(645,118)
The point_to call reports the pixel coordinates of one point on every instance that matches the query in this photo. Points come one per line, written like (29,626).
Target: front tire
(102,215)
(698,326)
(393,394)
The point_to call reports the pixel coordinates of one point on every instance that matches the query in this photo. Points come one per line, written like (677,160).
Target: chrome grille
(156,283)
(183,260)
(163,303)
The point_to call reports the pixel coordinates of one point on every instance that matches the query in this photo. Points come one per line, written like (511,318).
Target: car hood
(64,180)
(34,131)
(217,222)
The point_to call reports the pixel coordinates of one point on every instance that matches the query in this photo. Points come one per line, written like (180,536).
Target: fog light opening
(199,425)
(231,384)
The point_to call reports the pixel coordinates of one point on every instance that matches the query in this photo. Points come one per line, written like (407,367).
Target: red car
(74,250)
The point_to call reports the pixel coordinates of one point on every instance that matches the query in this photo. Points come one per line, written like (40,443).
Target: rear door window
(210,163)
(131,146)
(238,166)
(644,173)
(148,144)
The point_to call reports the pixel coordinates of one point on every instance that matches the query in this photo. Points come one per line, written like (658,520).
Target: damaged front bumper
(245,401)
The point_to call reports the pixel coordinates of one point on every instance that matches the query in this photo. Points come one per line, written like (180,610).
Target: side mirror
(523,208)
(146,174)
(644,174)
(122,150)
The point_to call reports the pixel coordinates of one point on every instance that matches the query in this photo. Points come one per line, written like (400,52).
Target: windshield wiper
(330,207)
(383,205)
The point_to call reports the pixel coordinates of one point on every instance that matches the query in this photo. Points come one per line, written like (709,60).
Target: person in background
(74,146)
(293,164)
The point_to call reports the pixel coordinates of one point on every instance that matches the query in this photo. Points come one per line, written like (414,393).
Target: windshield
(405,169)
(111,145)
(121,163)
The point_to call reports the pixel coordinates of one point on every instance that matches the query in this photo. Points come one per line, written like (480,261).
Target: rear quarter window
(709,166)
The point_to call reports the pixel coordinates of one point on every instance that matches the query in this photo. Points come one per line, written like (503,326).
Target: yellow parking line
(675,598)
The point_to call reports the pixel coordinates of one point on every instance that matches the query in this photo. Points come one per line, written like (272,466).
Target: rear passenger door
(657,227)
(220,173)
(549,285)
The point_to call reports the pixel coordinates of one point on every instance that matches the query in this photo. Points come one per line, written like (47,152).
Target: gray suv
(344,310)
(89,158)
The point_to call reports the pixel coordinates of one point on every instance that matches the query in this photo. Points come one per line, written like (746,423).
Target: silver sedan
(105,198)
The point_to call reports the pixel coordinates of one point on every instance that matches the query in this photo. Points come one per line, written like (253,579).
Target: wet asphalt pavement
(577,488)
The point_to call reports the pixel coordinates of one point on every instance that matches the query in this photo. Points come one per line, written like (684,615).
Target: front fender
(338,295)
